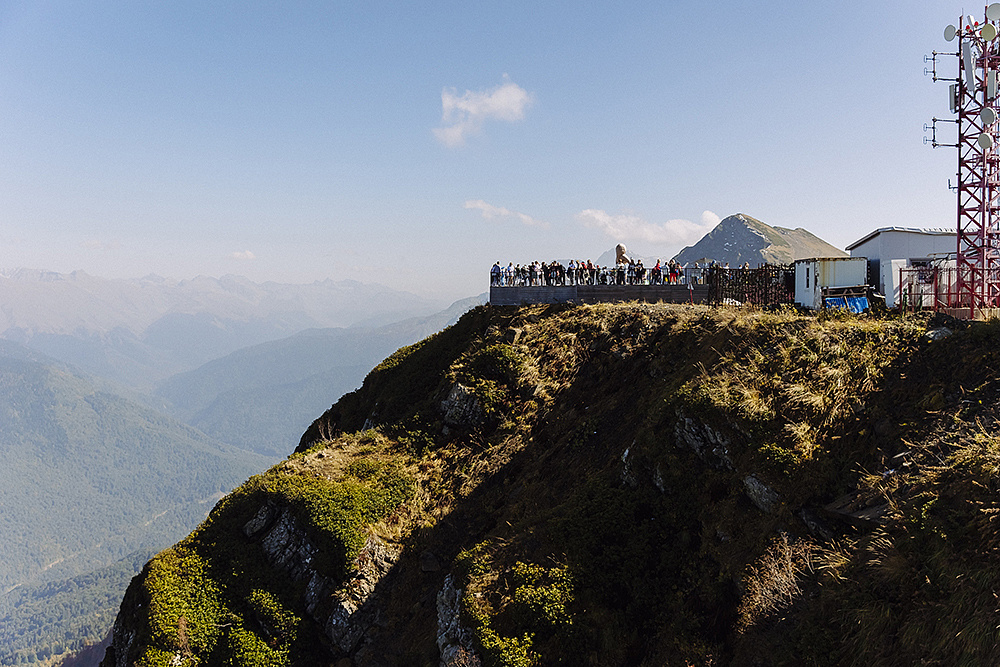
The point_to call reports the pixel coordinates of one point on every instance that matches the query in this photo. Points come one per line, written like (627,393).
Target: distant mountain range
(138,332)
(740,239)
(263,397)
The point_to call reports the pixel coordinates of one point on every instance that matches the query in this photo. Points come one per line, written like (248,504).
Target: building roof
(828,259)
(932,231)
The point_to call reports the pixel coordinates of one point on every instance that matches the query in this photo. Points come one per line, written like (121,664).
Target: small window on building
(807,277)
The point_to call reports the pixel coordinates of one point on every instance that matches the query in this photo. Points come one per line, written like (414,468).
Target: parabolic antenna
(993,11)
(950,32)
(988,115)
(988,33)
(985,141)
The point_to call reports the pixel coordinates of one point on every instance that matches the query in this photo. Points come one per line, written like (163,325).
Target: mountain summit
(740,239)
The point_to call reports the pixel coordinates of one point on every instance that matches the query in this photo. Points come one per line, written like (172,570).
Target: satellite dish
(950,32)
(993,11)
(988,33)
(988,115)
(985,141)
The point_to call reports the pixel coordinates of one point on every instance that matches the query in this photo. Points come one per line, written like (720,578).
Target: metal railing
(512,277)
(769,284)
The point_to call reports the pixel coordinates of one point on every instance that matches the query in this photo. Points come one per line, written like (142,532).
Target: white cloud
(627,227)
(709,219)
(491,212)
(242,254)
(464,115)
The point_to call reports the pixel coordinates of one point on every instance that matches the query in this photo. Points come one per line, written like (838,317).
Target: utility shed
(890,248)
(814,275)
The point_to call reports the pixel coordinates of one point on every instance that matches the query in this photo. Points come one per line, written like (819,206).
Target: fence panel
(766,285)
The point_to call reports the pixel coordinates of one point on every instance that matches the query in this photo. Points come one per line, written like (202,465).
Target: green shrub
(185,609)
(505,651)
(471,563)
(277,621)
(500,363)
(246,649)
(543,594)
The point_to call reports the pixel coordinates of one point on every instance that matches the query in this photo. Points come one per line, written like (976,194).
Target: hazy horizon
(413,146)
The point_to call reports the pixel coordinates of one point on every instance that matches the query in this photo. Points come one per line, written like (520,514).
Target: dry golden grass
(772,583)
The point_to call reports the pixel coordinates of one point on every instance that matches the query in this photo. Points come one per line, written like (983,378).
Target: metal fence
(929,288)
(937,288)
(766,285)
(606,275)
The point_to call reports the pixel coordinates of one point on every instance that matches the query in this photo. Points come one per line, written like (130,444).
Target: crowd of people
(538,274)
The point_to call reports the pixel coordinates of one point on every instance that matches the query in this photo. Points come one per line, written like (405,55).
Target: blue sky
(415,143)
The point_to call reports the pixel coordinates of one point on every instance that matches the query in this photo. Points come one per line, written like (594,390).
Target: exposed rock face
(710,444)
(937,334)
(628,473)
(462,409)
(122,634)
(763,496)
(740,239)
(453,640)
(341,608)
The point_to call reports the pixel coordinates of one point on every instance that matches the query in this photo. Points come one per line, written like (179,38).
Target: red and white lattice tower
(973,98)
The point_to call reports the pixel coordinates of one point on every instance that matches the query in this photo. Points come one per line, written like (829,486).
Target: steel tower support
(977,256)
(974,101)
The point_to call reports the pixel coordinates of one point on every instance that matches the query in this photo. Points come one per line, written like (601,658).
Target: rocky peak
(740,239)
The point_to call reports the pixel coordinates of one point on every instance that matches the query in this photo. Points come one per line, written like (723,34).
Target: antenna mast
(973,97)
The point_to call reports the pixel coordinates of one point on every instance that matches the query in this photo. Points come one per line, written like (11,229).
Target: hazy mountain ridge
(88,477)
(137,332)
(45,301)
(263,397)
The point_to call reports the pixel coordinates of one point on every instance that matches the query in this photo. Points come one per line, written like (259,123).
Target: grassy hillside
(623,484)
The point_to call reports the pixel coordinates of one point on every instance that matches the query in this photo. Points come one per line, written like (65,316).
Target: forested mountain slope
(611,485)
(89,477)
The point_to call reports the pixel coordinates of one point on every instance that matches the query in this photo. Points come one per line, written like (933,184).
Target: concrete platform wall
(521,296)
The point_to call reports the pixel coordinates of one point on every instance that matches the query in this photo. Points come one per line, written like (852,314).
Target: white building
(814,275)
(890,248)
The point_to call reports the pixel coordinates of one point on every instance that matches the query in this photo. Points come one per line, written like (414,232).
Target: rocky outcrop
(763,496)
(740,239)
(462,408)
(710,444)
(345,610)
(453,640)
